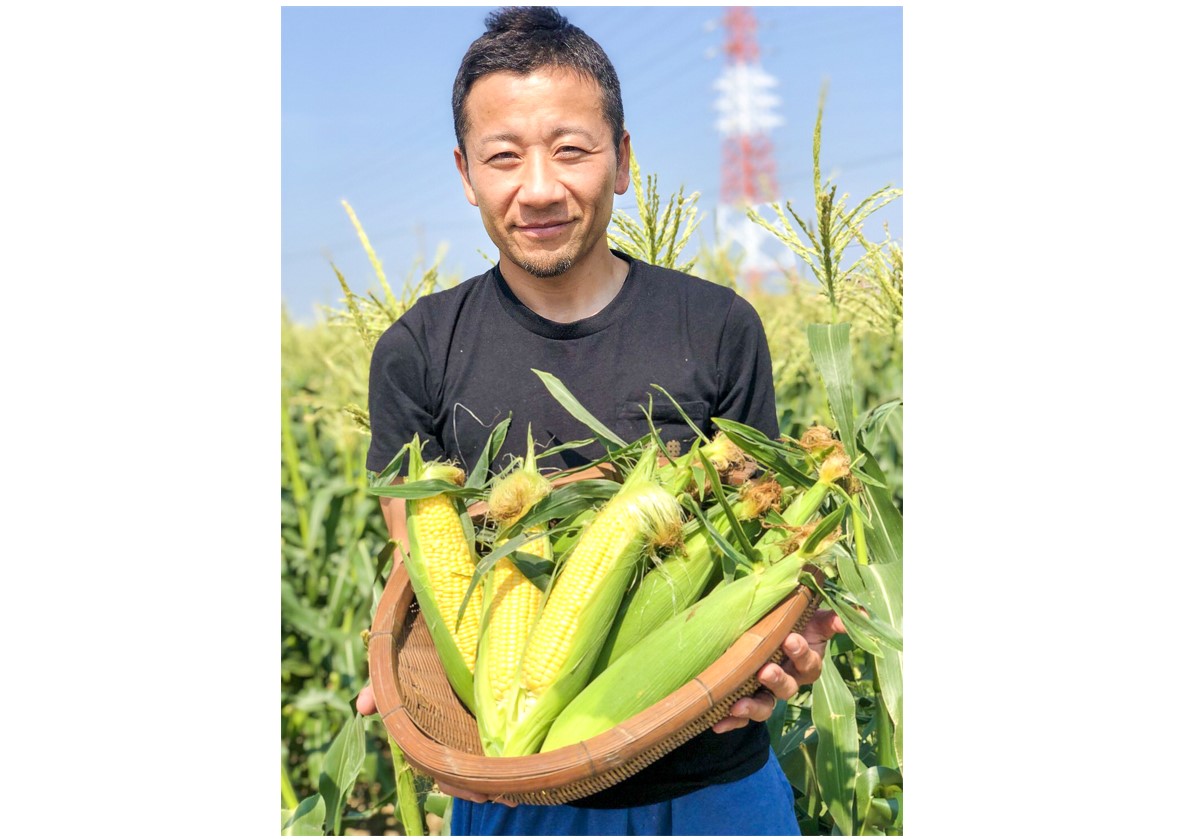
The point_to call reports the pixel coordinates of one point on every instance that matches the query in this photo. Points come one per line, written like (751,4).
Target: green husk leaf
(697,431)
(747,548)
(725,548)
(565,501)
(536,568)
(772,455)
(392,469)
(609,439)
(426,489)
(494,442)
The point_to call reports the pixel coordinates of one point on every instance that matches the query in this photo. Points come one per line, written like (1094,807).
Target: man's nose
(540,185)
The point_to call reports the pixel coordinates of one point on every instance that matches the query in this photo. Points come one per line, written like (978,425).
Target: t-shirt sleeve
(400,396)
(745,371)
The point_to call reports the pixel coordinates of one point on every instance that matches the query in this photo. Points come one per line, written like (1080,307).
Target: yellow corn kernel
(513,608)
(590,563)
(448,557)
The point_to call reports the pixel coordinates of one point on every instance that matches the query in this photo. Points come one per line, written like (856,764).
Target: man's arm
(394,513)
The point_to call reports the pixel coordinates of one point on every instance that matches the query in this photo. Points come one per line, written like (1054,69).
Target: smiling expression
(542,168)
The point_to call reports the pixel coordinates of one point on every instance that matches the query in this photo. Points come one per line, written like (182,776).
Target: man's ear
(623,167)
(463,171)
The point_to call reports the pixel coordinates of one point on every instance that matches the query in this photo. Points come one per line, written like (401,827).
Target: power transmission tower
(746,113)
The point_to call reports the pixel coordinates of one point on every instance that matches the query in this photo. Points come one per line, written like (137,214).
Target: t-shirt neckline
(546,328)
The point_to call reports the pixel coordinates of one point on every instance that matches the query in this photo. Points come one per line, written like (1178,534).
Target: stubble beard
(546,270)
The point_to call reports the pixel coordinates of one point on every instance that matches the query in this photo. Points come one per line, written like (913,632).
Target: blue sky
(366,118)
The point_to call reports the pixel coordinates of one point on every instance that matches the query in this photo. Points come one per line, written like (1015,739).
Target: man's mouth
(543,230)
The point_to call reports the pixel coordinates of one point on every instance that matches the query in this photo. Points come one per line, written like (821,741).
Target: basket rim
(559,768)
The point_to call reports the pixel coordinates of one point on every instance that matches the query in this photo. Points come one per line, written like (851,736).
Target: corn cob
(681,578)
(731,463)
(510,605)
(581,603)
(676,652)
(441,565)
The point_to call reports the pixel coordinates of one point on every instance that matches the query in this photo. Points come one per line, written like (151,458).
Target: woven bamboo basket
(439,737)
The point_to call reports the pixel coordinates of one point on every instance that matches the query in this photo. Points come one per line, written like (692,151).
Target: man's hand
(802,666)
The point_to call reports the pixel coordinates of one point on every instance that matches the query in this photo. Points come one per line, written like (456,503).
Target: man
(542,151)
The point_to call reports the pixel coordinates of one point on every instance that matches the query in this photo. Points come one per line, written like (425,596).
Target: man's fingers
(365,702)
(456,792)
(803,659)
(821,628)
(757,707)
(780,680)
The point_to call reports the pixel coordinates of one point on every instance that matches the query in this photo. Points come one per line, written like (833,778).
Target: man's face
(540,165)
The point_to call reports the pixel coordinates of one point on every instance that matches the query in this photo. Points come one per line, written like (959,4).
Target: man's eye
(501,156)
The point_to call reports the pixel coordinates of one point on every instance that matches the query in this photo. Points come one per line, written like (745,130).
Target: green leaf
(568,447)
(831,349)
(697,431)
(305,820)
(726,549)
(789,750)
(343,762)
(426,489)
(865,785)
(867,631)
(304,618)
(836,762)
(565,501)
(772,455)
(383,559)
(392,469)
(318,514)
(883,583)
(745,544)
(493,444)
(537,569)
(872,423)
(825,528)
(885,526)
(610,441)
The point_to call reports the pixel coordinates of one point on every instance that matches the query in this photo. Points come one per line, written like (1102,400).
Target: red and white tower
(745,105)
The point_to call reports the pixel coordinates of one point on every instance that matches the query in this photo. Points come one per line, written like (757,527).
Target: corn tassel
(441,564)
(581,603)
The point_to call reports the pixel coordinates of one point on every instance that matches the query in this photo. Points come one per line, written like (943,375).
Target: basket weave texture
(439,736)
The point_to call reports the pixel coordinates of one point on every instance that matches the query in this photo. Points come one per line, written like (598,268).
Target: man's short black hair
(523,39)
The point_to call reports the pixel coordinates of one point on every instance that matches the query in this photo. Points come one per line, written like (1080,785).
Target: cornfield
(835,334)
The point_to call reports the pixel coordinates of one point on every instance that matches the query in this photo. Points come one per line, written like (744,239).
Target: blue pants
(759,805)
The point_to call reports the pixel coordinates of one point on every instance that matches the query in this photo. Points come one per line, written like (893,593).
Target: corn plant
(334,551)
(656,238)
(822,243)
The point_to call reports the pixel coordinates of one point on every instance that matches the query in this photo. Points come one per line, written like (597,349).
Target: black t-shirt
(461,360)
